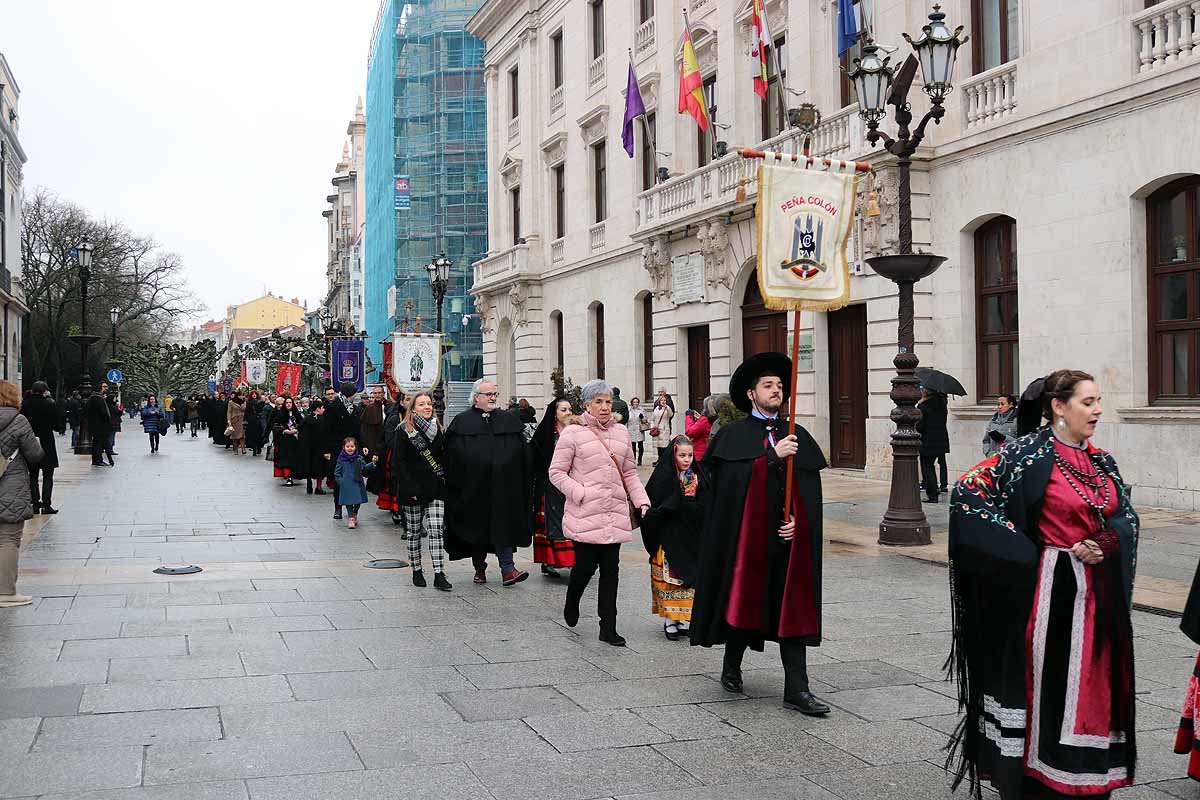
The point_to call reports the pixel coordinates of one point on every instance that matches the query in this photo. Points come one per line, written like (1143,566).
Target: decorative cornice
(593,126)
(554,149)
(510,171)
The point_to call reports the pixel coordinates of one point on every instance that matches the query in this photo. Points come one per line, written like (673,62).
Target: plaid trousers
(426,519)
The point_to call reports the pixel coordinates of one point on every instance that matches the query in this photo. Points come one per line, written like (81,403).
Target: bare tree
(162,368)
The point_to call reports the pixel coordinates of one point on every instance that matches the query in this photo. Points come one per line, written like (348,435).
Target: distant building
(13,310)
(256,318)
(345,219)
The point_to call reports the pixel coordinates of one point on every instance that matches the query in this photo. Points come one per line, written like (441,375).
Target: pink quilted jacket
(597,509)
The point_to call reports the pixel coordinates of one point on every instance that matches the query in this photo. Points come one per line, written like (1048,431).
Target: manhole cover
(386,563)
(181,569)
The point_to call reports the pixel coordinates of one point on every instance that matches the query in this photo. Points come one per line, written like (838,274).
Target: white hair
(593,389)
(477,387)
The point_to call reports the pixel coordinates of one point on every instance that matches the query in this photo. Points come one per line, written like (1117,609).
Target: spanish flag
(758,50)
(691,84)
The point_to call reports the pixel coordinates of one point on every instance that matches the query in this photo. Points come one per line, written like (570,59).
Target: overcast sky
(214,126)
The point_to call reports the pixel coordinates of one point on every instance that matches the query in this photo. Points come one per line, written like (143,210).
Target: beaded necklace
(1098,482)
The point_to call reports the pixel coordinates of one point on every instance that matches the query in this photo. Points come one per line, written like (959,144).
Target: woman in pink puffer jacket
(594,466)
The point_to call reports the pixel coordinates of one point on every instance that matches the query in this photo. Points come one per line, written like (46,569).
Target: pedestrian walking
(660,425)
(697,425)
(235,422)
(351,485)
(153,419)
(45,419)
(371,415)
(677,490)
(760,577)
(285,427)
(181,413)
(1002,427)
(487,486)
(268,412)
(252,420)
(419,455)
(74,413)
(620,409)
(387,499)
(935,443)
(594,467)
(99,422)
(551,548)
(115,412)
(1043,543)
(320,448)
(19,449)
(637,425)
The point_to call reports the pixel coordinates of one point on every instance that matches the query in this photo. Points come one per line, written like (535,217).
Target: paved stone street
(288,670)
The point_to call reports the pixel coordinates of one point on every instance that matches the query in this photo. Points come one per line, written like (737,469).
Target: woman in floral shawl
(1043,543)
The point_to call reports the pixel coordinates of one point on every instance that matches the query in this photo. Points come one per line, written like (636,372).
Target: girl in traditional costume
(671,534)
(1043,542)
(551,548)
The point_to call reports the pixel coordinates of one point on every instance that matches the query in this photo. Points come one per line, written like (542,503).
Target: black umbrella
(938,381)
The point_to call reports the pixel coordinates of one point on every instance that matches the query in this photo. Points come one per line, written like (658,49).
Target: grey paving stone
(533,673)
(199,693)
(151,647)
(763,717)
(223,611)
(437,744)
(1181,787)
(249,758)
(314,609)
(122,588)
(327,685)
(878,743)
(339,640)
(289,663)
(132,728)
(392,712)
(1157,760)
(695,661)
(214,790)
(53,673)
(646,692)
(161,601)
(595,730)
(42,773)
(946,723)
(40,701)
(198,626)
(892,702)
(125,670)
(916,781)
(212,644)
(16,736)
(529,648)
(596,773)
(1157,792)
(751,758)
(686,722)
(863,675)
(477,706)
(784,789)
(32,633)
(262,596)
(279,624)
(87,616)
(402,783)
(419,654)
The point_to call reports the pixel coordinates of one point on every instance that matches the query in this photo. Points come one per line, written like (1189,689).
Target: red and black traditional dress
(1043,647)
(288,457)
(550,546)
(671,534)
(1185,740)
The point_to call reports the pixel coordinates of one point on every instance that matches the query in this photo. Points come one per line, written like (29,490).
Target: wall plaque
(687,278)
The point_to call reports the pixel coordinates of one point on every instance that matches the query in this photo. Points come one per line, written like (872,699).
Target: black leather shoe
(440,582)
(571,614)
(613,638)
(806,703)
(731,679)
(49,510)
(337,514)
(419,578)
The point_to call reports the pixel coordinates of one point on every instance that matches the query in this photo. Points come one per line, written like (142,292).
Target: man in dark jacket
(45,418)
(488,485)
(935,443)
(759,576)
(99,422)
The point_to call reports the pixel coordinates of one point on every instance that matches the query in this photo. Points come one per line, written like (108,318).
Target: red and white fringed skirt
(1185,739)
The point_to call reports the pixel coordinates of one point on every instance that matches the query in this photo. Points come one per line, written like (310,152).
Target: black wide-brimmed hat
(753,368)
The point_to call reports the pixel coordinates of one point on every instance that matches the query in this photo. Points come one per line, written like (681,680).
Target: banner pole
(787,497)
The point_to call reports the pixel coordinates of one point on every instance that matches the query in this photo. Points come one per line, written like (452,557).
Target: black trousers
(929,477)
(100,447)
(639,448)
(43,498)
(154,437)
(587,558)
(792,653)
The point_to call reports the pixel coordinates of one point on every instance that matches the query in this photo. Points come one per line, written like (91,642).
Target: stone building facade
(13,310)
(345,221)
(1067,149)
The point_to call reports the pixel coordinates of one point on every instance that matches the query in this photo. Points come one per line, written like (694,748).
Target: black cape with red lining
(488,483)
(783,590)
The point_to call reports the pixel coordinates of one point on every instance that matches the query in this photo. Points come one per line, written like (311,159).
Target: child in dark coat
(349,472)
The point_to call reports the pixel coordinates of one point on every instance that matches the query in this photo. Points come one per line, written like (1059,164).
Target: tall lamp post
(439,282)
(878,86)
(83,257)
(114,314)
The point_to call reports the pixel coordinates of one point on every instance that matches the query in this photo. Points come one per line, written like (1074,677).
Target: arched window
(1173,230)
(997,339)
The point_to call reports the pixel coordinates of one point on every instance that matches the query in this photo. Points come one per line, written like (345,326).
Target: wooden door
(698,370)
(763,330)
(848,387)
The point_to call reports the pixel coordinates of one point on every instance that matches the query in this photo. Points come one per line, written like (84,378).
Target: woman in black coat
(45,418)
(935,443)
(419,475)
(255,435)
(289,457)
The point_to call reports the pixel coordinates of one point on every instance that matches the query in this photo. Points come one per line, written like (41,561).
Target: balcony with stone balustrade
(518,262)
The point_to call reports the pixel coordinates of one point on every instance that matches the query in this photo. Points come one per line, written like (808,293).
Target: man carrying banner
(760,577)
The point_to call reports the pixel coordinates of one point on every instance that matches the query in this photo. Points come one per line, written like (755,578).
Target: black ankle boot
(419,578)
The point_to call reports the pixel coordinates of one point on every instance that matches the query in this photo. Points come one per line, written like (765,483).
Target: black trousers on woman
(589,557)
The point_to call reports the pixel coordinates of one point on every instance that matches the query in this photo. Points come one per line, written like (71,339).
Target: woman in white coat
(660,424)
(637,425)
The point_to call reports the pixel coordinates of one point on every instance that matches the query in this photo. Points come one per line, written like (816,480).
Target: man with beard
(760,577)
(488,485)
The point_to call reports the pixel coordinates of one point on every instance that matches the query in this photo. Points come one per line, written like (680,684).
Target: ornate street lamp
(83,257)
(439,281)
(878,86)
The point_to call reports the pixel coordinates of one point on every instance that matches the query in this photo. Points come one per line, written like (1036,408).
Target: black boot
(419,578)
(440,582)
(609,635)
(337,512)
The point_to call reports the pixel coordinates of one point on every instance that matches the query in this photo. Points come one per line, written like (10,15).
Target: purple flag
(633,108)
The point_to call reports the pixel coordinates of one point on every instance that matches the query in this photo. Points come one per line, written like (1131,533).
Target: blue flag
(634,107)
(346,360)
(847,27)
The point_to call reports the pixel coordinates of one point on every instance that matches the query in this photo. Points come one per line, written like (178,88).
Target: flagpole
(649,134)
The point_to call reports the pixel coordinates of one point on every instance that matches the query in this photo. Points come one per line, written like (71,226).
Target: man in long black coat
(488,481)
(99,424)
(760,578)
(45,418)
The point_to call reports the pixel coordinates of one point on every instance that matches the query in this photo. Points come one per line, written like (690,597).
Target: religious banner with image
(256,371)
(415,364)
(289,378)
(347,357)
(805,220)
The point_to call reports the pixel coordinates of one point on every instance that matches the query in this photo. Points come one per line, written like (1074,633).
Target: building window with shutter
(600,181)
(1173,247)
(997,322)
(995,30)
(560,201)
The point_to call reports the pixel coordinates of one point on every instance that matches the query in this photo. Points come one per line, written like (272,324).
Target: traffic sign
(115,376)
